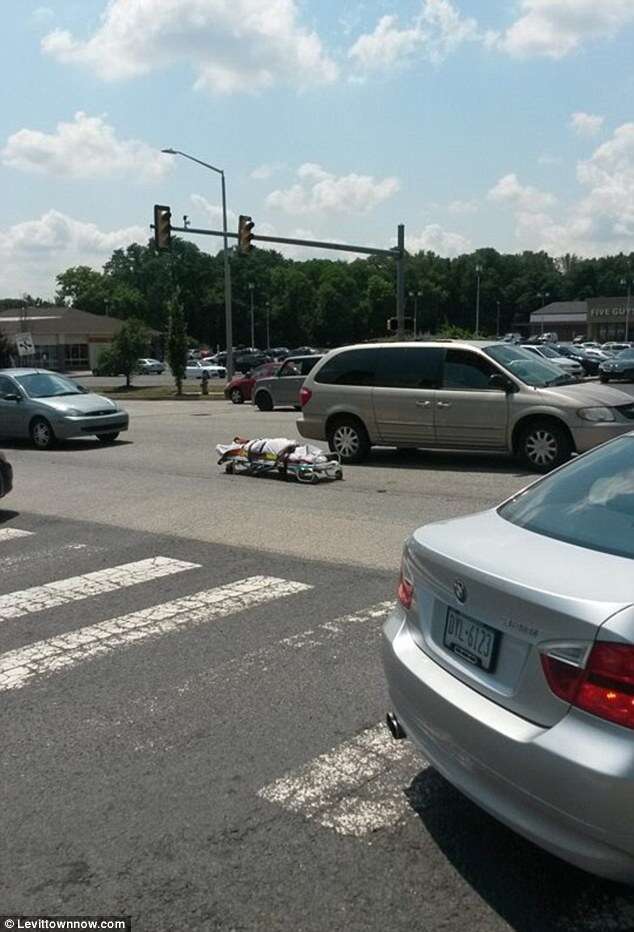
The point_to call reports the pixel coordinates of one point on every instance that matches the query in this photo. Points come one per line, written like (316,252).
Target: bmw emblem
(460,590)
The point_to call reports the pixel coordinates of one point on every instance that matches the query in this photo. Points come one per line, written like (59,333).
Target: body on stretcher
(290,459)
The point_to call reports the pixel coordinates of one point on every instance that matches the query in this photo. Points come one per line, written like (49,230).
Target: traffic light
(245,234)
(162,226)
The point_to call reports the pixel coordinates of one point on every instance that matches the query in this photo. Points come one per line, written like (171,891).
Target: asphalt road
(190,717)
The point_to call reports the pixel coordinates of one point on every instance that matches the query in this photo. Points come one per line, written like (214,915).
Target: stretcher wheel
(230,469)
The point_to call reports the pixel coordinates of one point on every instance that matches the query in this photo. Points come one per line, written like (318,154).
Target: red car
(240,387)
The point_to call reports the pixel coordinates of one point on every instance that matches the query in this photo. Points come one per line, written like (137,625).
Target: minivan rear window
(353,367)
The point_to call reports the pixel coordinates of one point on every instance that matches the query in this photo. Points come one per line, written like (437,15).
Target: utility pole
(400,281)
(478,271)
(628,282)
(251,290)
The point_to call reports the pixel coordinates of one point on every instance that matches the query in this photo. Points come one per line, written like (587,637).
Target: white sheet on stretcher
(271,448)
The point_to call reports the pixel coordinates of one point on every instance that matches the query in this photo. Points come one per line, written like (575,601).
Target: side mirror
(83,389)
(500,381)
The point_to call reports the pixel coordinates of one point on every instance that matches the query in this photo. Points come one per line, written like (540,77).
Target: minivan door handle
(423,404)
(443,404)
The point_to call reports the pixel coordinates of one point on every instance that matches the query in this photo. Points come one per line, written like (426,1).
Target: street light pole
(497,321)
(415,295)
(478,270)
(251,290)
(268,325)
(227,270)
(543,297)
(627,282)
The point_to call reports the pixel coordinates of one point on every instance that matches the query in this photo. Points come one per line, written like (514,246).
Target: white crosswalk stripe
(63,591)
(18,667)
(355,789)
(13,533)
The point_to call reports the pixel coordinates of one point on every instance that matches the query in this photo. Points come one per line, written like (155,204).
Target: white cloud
(434,239)
(266,171)
(243,45)
(586,124)
(508,190)
(600,221)
(319,190)
(463,207)
(32,253)
(555,28)
(86,148)
(437,30)
(41,16)
(213,213)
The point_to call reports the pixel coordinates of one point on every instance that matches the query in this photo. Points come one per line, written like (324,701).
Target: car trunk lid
(490,597)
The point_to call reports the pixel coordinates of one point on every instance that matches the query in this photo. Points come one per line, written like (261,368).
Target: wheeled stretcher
(289,459)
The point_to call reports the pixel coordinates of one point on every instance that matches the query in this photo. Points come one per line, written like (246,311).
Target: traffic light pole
(227,273)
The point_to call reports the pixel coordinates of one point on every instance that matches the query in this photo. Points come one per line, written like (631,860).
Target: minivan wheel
(264,401)
(348,437)
(237,397)
(42,434)
(543,445)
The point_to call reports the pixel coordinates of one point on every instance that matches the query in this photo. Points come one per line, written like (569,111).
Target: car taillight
(603,687)
(405,591)
(305,395)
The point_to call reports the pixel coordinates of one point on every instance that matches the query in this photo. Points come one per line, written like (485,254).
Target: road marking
(19,666)
(13,533)
(46,553)
(51,595)
(356,788)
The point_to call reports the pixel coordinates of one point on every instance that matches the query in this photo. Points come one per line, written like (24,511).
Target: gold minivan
(484,396)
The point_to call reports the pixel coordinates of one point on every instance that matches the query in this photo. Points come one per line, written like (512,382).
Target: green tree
(177,341)
(128,346)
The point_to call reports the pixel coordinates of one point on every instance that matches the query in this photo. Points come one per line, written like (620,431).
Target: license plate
(474,642)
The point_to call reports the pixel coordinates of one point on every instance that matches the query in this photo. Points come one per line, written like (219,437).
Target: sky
(498,123)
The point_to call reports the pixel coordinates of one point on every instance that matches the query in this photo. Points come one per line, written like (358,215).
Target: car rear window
(589,503)
(353,367)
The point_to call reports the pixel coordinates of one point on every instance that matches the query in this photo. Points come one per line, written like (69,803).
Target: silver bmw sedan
(510,658)
(46,407)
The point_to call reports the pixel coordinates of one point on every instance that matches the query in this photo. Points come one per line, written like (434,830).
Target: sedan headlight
(596,415)
(72,412)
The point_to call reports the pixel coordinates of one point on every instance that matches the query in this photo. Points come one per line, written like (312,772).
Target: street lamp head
(478,268)
(169,151)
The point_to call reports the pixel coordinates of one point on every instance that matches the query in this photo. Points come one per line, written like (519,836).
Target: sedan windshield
(590,503)
(626,354)
(47,385)
(527,366)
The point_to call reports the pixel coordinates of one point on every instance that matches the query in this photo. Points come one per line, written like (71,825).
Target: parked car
(6,476)
(279,352)
(240,388)
(196,368)
(620,366)
(282,389)
(572,366)
(47,406)
(304,351)
(510,658)
(150,367)
(589,364)
(615,348)
(482,396)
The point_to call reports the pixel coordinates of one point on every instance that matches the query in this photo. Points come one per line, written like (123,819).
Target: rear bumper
(68,427)
(585,438)
(567,788)
(311,428)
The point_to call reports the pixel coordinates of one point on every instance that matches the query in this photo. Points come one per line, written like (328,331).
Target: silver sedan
(46,407)
(510,658)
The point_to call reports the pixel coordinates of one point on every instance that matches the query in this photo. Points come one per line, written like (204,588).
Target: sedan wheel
(543,446)
(237,397)
(349,439)
(108,438)
(42,434)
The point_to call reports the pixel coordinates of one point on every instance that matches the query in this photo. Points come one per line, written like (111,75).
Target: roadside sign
(24,344)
